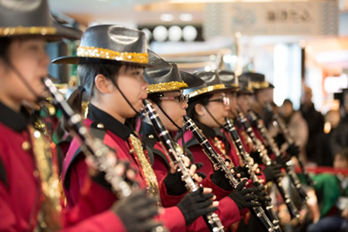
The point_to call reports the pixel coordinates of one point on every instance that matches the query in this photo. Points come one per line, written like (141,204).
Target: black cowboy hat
(229,79)
(258,80)
(31,18)
(212,83)
(245,86)
(110,43)
(168,77)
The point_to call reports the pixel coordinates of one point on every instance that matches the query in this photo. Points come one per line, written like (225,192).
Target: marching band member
(111,60)
(165,91)
(29,194)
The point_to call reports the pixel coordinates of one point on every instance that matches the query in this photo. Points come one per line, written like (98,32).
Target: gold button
(131,151)
(100,125)
(151,136)
(26,146)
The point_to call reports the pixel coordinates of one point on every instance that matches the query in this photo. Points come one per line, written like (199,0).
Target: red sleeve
(77,178)
(200,157)
(218,192)
(228,213)
(161,171)
(8,218)
(168,200)
(106,221)
(87,194)
(172,219)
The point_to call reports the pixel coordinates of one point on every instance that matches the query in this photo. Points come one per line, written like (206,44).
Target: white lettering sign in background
(318,17)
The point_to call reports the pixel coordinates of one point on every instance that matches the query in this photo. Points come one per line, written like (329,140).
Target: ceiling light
(207,68)
(190,33)
(186,17)
(175,33)
(230,59)
(167,17)
(160,33)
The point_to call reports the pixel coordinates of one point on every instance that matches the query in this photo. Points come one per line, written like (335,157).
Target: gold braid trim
(49,217)
(167,86)
(206,90)
(104,53)
(147,171)
(219,144)
(10,31)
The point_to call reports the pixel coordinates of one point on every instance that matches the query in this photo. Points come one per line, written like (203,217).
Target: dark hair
(155,97)
(287,101)
(4,45)
(86,74)
(201,99)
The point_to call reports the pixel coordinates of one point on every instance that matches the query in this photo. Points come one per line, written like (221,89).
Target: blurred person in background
(332,190)
(323,152)
(263,93)
(339,136)
(314,119)
(296,124)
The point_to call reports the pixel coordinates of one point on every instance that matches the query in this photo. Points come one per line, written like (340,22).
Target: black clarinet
(271,143)
(219,163)
(102,156)
(175,154)
(256,142)
(289,140)
(245,157)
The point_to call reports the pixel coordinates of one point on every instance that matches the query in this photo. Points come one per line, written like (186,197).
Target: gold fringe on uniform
(49,217)
(149,174)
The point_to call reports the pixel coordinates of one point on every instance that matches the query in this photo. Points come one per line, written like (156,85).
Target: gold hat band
(11,31)
(167,86)
(206,90)
(103,53)
(260,85)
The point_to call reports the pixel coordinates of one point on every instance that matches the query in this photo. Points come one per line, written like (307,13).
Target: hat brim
(90,60)
(262,85)
(67,32)
(191,80)
(232,88)
(207,90)
(55,32)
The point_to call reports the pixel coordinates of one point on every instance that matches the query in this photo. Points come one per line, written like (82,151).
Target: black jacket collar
(110,123)
(207,131)
(17,121)
(147,129)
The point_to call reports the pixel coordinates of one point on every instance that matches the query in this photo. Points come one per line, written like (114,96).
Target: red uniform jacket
(20,187)
(222,144)
(227,210)
(199,156)
(75,173)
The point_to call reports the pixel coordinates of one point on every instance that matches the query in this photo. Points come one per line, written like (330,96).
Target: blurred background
(295,43)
